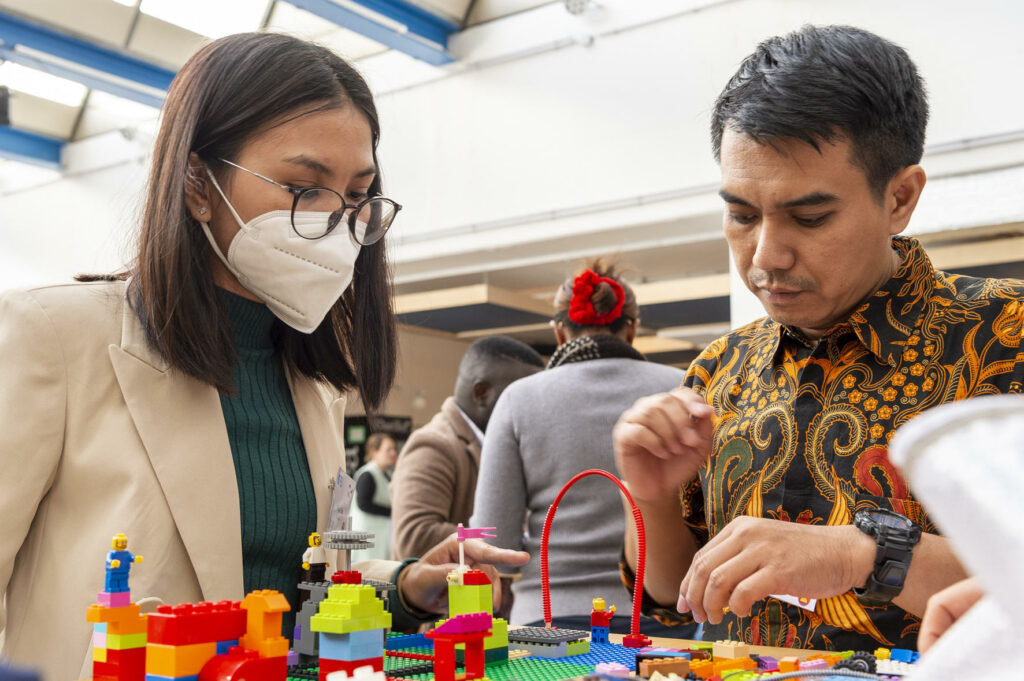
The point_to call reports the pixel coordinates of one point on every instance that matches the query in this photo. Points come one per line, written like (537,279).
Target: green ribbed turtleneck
(275,491)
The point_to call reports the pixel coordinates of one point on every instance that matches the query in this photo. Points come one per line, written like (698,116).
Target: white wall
(628,116)
(519,138)
(79,223)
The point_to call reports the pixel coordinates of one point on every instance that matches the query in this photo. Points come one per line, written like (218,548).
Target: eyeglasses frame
(297,192)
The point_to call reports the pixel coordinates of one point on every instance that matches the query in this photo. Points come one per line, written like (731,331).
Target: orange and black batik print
(803,428)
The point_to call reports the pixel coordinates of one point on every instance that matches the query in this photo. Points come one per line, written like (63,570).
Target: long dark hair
(227,92)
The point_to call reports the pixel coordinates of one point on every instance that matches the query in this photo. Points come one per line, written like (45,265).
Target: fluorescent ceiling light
(121,108)
(211,19)
(41,84)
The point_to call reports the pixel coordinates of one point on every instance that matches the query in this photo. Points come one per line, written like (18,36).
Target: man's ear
(901,197)
(482,393)
(197,189)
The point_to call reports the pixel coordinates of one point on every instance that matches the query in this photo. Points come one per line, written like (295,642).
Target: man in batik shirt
(778,439)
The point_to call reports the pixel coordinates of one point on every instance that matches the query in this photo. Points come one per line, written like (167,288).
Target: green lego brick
(469,598)
(499,635)
(348,608)
(126,641)
(525,670)
(581,647)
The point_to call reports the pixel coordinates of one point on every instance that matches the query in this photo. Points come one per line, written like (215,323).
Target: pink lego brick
(118,599)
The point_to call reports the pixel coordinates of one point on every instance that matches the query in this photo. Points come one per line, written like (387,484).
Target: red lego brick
(635,641)
(474,578)
(239,664)
(347,577)
(131,663)
(203,622)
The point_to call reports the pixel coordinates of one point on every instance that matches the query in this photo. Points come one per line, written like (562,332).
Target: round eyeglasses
(317,211)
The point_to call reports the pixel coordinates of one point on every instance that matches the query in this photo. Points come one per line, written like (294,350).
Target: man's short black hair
(824,83)
(503,348)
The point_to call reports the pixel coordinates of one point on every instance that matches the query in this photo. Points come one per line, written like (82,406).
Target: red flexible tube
(638,586)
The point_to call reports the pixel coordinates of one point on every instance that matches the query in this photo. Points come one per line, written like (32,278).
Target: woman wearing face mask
(194,402)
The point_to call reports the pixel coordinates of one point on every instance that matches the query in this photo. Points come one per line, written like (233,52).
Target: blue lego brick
(599,634)
(158,677)
(404,641)
(599,652)
(904,655)
(223,646)
(100,627)
(357,645)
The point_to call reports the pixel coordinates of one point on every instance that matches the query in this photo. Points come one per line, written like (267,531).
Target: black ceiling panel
(471,318)
(1000,270)
(685,312)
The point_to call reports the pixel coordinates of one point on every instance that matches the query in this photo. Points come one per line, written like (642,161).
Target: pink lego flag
(464,533)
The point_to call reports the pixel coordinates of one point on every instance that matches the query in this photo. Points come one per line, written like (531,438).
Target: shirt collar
(476,429)
(885,320)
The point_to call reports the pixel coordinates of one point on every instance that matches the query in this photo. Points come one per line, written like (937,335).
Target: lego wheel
(858,662)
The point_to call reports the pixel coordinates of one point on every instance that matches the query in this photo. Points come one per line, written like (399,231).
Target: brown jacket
(434,482)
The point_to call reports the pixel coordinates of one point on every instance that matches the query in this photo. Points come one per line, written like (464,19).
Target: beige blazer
(99,436)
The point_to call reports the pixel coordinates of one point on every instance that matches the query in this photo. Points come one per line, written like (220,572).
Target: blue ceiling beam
(15,31)
(425,37)
(89,80)
(29,147)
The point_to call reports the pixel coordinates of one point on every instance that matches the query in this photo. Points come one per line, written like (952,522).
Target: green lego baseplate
(511,670)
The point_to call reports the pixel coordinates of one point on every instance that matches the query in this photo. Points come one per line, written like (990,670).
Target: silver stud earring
(202,210)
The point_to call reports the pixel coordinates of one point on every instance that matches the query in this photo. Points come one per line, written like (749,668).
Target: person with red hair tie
(548,427)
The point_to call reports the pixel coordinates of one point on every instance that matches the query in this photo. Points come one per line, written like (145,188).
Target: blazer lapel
(321,417)
(181,424)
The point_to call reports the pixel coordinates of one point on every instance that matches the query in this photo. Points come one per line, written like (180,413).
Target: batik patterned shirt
(803,427)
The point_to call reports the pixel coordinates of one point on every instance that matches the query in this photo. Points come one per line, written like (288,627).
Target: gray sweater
(545,429)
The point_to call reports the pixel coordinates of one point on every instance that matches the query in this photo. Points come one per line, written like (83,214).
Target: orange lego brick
(789,664)
(167,660)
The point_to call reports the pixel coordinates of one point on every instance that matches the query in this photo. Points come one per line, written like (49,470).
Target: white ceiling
(167,32)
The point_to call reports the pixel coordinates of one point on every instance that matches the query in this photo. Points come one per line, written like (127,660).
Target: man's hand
(661,442)
(424,584)
(754,557)
(945,608)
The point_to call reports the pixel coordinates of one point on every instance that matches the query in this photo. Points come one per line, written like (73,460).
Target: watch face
(885,518)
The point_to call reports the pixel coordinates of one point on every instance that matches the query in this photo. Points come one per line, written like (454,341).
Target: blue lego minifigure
(119,563)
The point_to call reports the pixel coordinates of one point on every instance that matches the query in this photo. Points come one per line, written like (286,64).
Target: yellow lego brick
(348,608)
(126,641)
(187,660)
(99,654)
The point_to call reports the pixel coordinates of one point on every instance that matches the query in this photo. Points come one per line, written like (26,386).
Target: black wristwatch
(896,536)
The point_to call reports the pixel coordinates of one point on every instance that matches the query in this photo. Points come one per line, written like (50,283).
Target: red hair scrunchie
(581,307)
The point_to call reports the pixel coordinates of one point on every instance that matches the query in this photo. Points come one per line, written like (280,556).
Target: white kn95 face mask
(299,279)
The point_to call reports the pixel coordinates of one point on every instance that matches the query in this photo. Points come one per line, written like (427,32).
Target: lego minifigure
(314,560)
(119,562)
(600,621)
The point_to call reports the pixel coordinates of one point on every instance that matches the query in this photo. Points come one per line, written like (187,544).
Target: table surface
(758,650)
